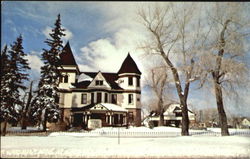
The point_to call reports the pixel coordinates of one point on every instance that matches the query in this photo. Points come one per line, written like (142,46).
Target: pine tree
(5,88)
(46,102)
(13,73)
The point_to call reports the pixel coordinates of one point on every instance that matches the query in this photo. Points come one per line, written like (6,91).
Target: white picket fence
(122,133)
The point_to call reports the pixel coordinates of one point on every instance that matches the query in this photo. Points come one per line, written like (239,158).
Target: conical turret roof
(129,66)
(66,56)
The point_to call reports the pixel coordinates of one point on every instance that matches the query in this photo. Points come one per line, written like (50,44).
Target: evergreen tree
(46,101)
(13,73)
(5,89)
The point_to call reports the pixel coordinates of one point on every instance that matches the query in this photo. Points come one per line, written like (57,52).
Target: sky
(100,34)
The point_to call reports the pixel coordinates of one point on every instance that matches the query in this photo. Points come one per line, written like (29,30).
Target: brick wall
(136,116)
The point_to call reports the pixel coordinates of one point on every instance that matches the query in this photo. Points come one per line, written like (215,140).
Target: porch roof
(107,106)
(112,107)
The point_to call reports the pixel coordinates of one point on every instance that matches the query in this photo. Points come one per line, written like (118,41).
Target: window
(66,79)
(138,82)
(99,82)
(114,98)
(130,81)
(84,99)
(92,98)
(130,99)
(106,97)
(99,97)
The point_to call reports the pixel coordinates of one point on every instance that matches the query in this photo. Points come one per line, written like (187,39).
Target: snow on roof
(84,77)
(171,108)
(114,107)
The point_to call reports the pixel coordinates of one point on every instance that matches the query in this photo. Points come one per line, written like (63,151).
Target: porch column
(85,118)
(125,119)
(113,119)
(107,118)
(110,119)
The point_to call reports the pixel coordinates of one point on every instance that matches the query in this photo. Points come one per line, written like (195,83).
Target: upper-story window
(130,99)
(130,81)
(106,97)
(84,98)
(92,98)
(66,79)
(138,82)
(114,98)
(99,97)
(99,82)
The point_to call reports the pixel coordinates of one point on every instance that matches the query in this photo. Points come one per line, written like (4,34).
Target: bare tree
(171,37)
(159,83)
(225,46)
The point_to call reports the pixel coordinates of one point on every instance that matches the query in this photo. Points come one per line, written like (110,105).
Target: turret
(129,79)
(69,69)
(129,75)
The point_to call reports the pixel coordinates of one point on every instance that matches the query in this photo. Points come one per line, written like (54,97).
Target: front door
(78,119)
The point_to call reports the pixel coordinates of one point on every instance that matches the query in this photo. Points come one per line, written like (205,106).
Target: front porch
(109,114)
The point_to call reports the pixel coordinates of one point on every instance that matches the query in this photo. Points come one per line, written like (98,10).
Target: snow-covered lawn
(97,147)
(81,144)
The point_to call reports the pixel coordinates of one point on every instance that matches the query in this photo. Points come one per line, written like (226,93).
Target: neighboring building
(245,123)
(172,116)
(115,98)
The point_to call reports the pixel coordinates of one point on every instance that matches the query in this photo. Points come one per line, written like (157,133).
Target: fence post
(118,135)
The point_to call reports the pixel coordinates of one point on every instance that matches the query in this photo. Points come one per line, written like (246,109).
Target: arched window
(66,78)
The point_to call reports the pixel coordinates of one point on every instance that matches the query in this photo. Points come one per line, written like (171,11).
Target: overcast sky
(100,34)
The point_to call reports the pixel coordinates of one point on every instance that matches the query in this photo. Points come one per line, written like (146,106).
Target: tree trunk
(24,119)
(217,85)
(185,120)
(23,122)
(161,120)
(161,112)
(4,128)
(45,120)
(182,98)
(220,108)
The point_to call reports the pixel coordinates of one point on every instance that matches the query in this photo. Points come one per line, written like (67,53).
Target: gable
(99,81)
(99,107)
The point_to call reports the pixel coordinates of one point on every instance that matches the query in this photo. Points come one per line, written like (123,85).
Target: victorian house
(114,98)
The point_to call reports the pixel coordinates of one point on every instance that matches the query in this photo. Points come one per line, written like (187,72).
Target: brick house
(114,98)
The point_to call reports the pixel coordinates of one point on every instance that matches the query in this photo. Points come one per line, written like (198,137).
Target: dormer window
(99,82)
